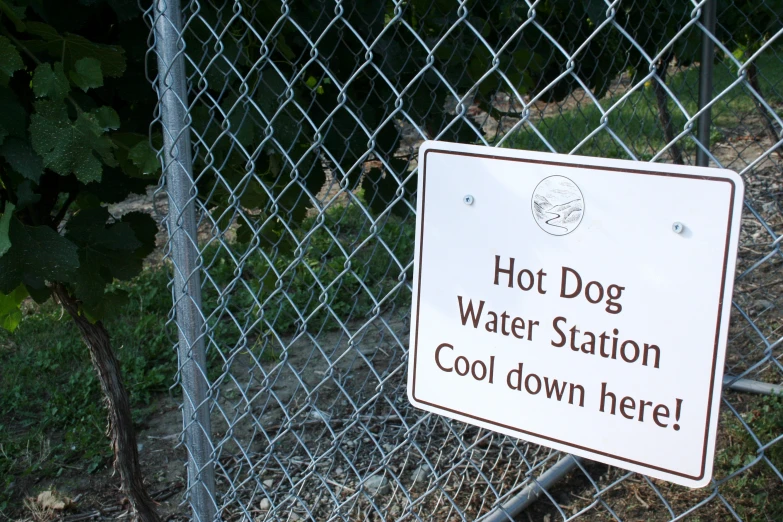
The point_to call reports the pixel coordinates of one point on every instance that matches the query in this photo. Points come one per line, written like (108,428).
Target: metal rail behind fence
(304,119)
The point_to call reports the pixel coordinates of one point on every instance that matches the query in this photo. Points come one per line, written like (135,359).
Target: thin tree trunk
(753,80)
(123,438)
(663,110)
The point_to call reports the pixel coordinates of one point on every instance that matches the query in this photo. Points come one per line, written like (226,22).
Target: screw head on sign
(468,199)
(678,227)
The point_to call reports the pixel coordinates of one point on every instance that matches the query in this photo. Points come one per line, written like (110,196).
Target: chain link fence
(289,133)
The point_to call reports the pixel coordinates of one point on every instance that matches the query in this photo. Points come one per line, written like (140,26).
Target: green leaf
(283,47)
(14,116)
(88,198)
(135,155)
(115,186)
(145,229)
(90,286)
(380,188)
(36,254)
(15,14)
(25,195)
(72,147)
(596,11)
(89,228)
(125,9)
(10,315)
(111,304)
(37,289)
(5,221)
(106,251)
(10,60)
(74,48)
(87,73)
(144,157)
(240,120)
(50,82)
(106,118)
(47,32)
(20,155)
(270,92)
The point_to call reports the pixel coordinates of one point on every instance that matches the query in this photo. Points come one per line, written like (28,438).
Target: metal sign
(578,303)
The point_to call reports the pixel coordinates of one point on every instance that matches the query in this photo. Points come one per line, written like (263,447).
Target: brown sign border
(599,168)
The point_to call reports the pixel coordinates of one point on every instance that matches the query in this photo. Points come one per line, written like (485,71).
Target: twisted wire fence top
(305,118)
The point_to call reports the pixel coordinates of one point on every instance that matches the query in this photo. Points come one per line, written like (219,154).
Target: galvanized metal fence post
(706,72)
(172,95)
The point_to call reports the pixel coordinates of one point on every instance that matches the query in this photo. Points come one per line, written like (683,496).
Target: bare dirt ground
(96,496)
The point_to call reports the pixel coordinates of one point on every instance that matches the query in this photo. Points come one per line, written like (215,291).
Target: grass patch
(345,270)
(635,120)
(756,493)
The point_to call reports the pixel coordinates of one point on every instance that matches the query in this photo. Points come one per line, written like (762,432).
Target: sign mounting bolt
(468,199)
(678,227)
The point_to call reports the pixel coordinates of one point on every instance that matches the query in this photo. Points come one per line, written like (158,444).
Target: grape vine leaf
(106,251)
(144,157)
(145,229)
(10,60)
(125,9)
(87,73)
(106,118)
(50,82)
(5,221)
(37,254)
(25,195)
(74,47)
(21,157)
(73,147)
(10,314)
(14,120)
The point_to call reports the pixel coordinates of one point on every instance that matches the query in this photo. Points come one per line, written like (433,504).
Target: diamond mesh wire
(304,119)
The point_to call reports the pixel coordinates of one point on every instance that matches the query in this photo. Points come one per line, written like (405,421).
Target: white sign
(578,303)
